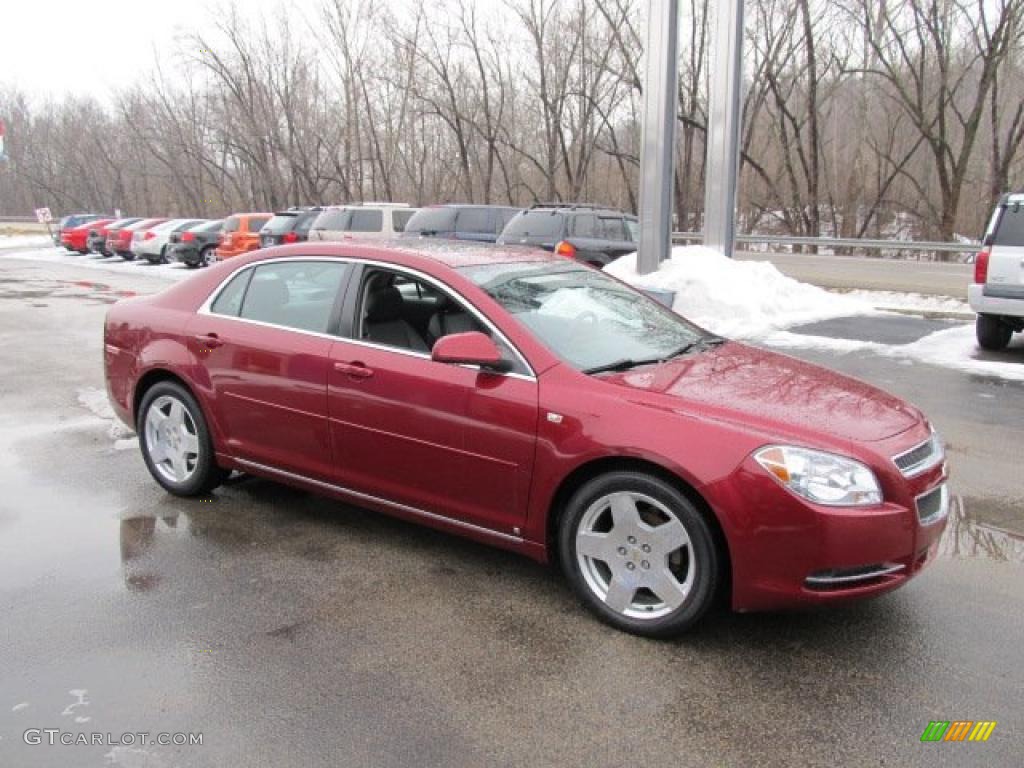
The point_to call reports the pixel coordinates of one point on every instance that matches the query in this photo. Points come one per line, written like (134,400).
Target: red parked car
(76,238)
(540,405)
(119,241)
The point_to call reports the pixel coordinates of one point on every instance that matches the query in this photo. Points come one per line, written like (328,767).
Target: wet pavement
(294,630)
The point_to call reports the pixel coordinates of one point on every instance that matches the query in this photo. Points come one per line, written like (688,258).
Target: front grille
(933,506)
(920,457)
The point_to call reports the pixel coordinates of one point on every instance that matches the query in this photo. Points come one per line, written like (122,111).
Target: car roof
(407,251)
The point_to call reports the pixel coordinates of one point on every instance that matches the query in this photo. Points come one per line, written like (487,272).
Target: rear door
(263,349)
(1006,259)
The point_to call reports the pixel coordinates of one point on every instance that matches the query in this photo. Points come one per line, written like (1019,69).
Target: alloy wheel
(172,439)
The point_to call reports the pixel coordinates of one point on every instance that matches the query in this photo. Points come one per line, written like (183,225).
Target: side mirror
(473,348)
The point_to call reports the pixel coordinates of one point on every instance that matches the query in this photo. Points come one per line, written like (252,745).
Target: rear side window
(366,221)
(535,224)
(399,219)
(584,225)
(1010,230)
(475,220)
(229,302)
(256,223)
(332,219)
(212,226)
(298,295)
(610,228)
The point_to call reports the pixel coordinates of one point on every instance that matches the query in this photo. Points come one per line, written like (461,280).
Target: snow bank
(54,255)
(97,403)
(744,299)
(912,302)
(24,241)
(957,348)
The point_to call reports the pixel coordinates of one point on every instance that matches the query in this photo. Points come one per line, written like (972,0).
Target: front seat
(384,323)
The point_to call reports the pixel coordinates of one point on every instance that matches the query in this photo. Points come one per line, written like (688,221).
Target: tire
(127,255)
(993,334)
(618,575)
(190,468)
(206,256)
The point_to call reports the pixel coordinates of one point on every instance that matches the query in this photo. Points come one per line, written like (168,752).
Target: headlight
(823,478)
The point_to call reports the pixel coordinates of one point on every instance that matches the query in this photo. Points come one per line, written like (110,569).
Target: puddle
(968,537)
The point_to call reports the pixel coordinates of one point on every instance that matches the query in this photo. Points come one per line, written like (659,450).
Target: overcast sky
(95,46)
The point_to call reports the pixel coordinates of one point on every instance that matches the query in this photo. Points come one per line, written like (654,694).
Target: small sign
(43,215)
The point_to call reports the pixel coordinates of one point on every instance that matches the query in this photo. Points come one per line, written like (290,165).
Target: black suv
(480,223)
(291,226)
(589,233)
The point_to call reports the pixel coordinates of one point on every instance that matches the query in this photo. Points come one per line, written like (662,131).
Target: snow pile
(737,298)
(957,348)
(24,241)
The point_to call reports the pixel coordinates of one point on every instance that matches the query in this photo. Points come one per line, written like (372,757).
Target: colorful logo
(958,730)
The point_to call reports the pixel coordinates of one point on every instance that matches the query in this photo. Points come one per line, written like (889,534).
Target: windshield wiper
(626,363)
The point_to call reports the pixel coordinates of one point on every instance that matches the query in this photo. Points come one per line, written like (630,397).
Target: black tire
(206,256)
(993,334)
(127,256)
(205,474)
(701,554)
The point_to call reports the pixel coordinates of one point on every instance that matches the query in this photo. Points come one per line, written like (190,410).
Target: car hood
(774,393)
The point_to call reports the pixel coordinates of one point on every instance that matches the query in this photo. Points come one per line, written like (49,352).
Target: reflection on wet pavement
(966,537)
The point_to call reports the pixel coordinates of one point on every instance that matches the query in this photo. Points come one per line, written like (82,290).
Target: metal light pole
(723,135)
(657,150)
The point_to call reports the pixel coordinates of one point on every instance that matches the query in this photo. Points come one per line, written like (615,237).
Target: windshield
(585,317)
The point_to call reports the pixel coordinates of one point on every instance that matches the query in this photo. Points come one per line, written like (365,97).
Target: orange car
(241,234)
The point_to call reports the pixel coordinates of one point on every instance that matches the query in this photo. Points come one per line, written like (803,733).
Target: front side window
(399,219)
(610,228)
(229,302)
(584,225)
(294,294)
(585,317)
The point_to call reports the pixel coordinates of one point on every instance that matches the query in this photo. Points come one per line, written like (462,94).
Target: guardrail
(840,243)
(18,220)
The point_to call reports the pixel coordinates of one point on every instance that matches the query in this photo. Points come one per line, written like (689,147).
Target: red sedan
(76,238)
(539,405)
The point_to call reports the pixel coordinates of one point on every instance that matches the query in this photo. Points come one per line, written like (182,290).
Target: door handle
(356,370)
(208,341)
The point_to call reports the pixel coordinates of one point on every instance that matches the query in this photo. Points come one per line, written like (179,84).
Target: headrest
(384,305)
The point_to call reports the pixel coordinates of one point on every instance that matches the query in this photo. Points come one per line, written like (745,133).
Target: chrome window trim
(205,309)
(936,457)
(386,502)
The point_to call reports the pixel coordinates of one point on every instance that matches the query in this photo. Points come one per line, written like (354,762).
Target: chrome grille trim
(921,457)
(853,576)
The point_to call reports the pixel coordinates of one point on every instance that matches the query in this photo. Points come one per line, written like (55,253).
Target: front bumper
(788,552)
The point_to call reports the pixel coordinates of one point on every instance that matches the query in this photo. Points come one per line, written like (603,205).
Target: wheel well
(148,380)
(584,474)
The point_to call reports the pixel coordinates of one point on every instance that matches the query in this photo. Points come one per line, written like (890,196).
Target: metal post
(657,150)
(723,137)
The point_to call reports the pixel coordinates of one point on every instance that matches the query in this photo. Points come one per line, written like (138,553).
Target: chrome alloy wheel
(172,440)
(635,555)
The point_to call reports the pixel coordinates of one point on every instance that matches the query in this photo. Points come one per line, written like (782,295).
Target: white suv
(377,221)
(997,294)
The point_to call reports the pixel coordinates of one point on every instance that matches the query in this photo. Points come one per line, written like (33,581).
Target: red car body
(74,239)
(119,241)
(483,456)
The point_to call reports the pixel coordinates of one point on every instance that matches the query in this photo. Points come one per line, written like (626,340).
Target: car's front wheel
(175,441)
(639,554)
(993,334)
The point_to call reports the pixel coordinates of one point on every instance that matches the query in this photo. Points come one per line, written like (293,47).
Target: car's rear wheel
(639,554)
(127,256)
(206,256)
(992,332)
(175,441)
